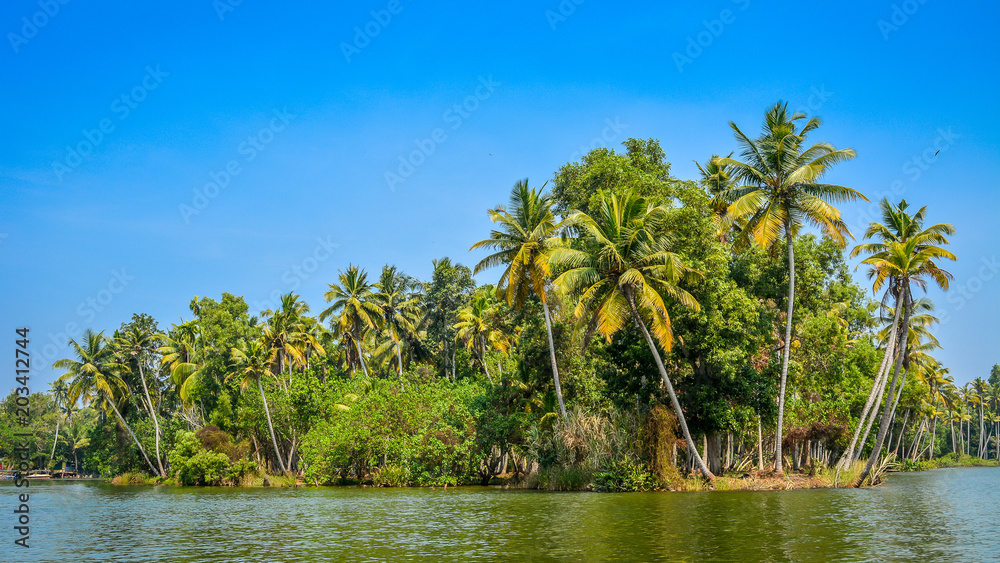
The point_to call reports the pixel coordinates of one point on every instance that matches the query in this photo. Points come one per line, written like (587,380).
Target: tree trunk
(692,450)
(902,301)
(760,445)
(156,422)
(270,427)
(788,348)
(485,367)
(874,397)
(713,451)
(552,356)
(56,440)
(399,358)
(361,357)
(130,433)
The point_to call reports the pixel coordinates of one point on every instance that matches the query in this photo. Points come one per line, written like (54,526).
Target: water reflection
(944,515)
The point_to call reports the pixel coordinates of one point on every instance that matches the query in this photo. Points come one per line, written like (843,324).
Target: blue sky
(154,153)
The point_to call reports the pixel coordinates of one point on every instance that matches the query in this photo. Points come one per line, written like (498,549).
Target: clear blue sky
(309,116)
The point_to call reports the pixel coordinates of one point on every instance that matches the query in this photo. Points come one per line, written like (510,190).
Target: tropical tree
(906,254)
(625,270)
(60,396)
(179,354)
(137,344)
(523,242)
(476,329)
(776,191)
(353,311)
(91,376)
(401,312)
(252,361)
(76,436)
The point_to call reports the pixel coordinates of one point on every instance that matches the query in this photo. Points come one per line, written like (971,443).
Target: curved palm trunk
(361,357)
(877,385)
(787,351)
(156,423)
(56,440)
(874,411)
(552,356)
(884,423)
(270,426)
(692,449)
(483,358)
(130,433)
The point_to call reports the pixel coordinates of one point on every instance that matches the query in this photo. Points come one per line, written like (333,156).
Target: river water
(940,515)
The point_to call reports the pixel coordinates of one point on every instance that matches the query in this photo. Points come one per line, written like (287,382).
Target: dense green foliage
(548,377)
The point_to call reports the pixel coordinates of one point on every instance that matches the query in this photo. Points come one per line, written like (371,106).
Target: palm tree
(981,390)
(523,243)
(60,392)
(477,331)
(626,271)
(180,355)
(355,309)
(777,189)
(91,374)
(76,437)
(896,264)
(252,360)
(401,311)
(138,343)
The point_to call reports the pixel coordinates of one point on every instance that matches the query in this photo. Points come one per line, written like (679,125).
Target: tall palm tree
(137,344)
(777,189)
(91,374)
(60,396)
(252,360)
(523,243)
(179,353)
(981,390)
(896,265)
(400,308)
(627,271)
(354,307)
(76,437)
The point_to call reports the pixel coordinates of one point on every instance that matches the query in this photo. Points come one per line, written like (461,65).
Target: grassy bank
(946,461)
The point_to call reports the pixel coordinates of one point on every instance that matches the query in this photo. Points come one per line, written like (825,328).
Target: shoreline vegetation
(644,332)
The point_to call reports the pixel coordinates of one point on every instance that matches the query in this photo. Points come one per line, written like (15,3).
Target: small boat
(39,474)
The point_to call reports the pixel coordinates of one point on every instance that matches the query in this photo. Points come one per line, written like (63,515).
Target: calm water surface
(941,515)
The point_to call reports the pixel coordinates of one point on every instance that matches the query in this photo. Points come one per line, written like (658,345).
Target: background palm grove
(641,328)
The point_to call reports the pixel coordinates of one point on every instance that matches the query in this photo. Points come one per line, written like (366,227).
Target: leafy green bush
(623,475)
(194,465)
(392,475)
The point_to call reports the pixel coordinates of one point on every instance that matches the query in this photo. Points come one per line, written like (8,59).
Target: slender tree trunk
(982,430)
(874,412)
(877,384)
(930,454)
(399,358)
(760,445)
(56,440)
(156,422)
(692,449)
(130,433)
(788,348)
(483,354)
(552,356)
(270,426)
(902,301)
(361,357)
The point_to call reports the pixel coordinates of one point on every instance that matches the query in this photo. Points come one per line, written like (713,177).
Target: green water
(942,515)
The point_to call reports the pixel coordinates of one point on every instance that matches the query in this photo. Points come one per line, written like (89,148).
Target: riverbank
(947,461)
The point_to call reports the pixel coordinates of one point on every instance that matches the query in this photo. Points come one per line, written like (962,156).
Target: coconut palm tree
(60,396)
(523,243)
(181,356)
(355,310)
(252,361)
(476,330)
(777,190)
(395,295)
(76,436)
(91,375)
(896,265)
(137,344)
(625,270)
(981,390)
